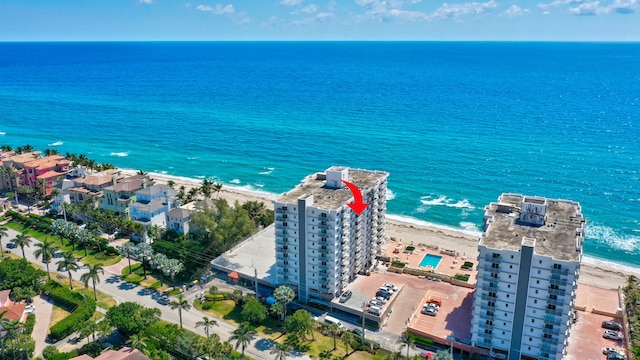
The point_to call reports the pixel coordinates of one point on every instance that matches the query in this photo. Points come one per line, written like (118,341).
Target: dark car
(11,245)
(356,331)
(384,294)
(611,325)
(164,300)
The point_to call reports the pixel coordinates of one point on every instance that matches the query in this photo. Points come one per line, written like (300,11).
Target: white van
(331,320)
(375,310)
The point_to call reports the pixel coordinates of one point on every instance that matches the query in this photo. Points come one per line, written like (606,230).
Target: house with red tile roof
(48,168)
(11,310)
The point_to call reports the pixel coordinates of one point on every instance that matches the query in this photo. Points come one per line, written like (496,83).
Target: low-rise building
(12,311)
(178,220)
(151,205)
(118,197)
(48,169)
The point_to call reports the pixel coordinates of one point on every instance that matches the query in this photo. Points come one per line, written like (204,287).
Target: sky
(220,20)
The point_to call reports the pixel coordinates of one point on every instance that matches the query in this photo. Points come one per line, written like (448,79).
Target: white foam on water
(3,133)
(442,200)
(119,154)
(470,227)
(235,181)
(414,221)
(57,143)
(390,195)
(606,235)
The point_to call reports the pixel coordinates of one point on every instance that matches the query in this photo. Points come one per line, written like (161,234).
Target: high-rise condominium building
(321,243)
(528,266)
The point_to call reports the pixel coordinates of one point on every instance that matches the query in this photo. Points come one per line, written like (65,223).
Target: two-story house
(48,169)
(118,197)
(152,204)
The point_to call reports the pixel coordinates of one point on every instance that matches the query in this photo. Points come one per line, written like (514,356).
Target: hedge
(73,302)
(30,323)
(216,297)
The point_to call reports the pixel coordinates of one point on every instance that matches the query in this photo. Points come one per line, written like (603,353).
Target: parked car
(29,309)
(609,350)
(432,306)
(375,303)
(612,335)
(384,294)
(611,325)
(391,286)
(356,331)
(11,245)
(164,300)
(429,311)
(375,310)
(616,356)
(381,299)
(345,296)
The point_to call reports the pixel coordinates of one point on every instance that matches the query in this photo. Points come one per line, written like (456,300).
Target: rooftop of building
(179,213)
(150,206)
(51,174)
(560,237)
(125,353)
(330,198)
(46,162)
(21,158)
(156,189)
(83,190)
(129,184)
(99,179)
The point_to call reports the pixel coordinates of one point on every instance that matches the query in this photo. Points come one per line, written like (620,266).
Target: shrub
(207,306)
(216,297)
(462,277)
(48,351)
(398,264)
(410,248)
(92,349)
(81,308)
(30,323)
(110,250)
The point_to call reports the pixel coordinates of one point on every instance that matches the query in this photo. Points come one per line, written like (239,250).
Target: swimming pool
(430,260)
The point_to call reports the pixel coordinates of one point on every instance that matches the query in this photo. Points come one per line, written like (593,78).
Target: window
(491,304)
(553,286)
(512,256)
(496,255)
(536,291)
(551,307)
(489,322)
(539,272)
(557,266)
(533,320)
(548,326)
(548,336)
(487,331)
(509,276)
(537,281)
(535,301)
(507,296)
(511,266)
(553,297)
(495,266)
(506,305)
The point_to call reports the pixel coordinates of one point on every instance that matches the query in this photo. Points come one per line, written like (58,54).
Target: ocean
(454,123)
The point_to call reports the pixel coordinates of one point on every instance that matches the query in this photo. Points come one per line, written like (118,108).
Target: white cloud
(218,10)
(558,3)
(309,9)
(291,2)
(514,11)
(323,16)
(625,6)
(145,1)
(389,10)
(228,11)
(454,11)
(590,8)
(319,17)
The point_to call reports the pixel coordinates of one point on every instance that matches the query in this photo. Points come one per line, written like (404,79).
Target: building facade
(528,266)
(118,197)
(152,204)
(46,170)
(321,244)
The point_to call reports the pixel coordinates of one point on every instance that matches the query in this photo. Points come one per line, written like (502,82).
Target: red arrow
(358,206)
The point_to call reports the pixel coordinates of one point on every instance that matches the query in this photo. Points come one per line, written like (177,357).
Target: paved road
(111,285)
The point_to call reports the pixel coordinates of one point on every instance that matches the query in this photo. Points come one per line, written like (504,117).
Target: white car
(29,309)
(609,350)
(391,286)
(612,335)
(381,299)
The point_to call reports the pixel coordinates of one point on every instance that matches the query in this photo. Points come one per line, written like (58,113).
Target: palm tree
(171,268)
(243,336)
(144,252)
(84,236)
(3,324)
(284,295)
(347,339)
(137,342)
(141,172)
(180,304)
(128,250)
(92,274)
(334,330)
(46,250)
(23,240)
(217,187)
(207,323)
(281,351)
(68,264)
(408,342)
(206,188)
(3,233)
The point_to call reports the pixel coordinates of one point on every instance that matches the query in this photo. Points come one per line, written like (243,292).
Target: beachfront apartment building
(528,266)
(152,204)
(13,169)
(321,244)
(118,197)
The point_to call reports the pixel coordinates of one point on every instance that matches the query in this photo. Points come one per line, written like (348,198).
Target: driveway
(43,318)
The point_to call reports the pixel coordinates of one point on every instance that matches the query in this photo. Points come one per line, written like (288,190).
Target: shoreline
(597,272)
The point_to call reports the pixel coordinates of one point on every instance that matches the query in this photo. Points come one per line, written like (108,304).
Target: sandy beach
(594,272)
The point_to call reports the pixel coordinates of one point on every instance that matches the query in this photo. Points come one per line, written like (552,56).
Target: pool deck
(449,264)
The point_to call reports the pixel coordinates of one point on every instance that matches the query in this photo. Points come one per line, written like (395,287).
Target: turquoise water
(455,124)
(430,260)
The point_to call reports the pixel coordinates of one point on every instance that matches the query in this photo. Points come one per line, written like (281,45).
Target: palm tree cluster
(24,149)
(83,161)
(144,253)
(74,234)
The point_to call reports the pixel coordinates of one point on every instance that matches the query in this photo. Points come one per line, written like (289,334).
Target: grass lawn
(93,257)
(57,314)
(97,316)
(227,310)
(136,276)
(104,301)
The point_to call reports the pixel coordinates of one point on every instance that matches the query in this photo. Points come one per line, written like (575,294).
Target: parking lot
(454,317)
(586,341)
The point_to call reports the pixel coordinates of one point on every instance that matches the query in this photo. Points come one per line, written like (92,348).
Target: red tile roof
(46,162)
(123,354)
(4,297)
(14,312)
(234,275)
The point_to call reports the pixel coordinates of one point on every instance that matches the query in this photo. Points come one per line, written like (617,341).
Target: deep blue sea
(455,124)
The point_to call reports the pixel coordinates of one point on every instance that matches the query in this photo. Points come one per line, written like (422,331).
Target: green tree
(242,336)
(4,232)
(408,342)
(180,304)
(217,187)
(207,324)
(347,339)
(128,250)
(23,240)
(45,250)
(284,295)
(131,318)
(136,341)
(20,276)
(280,350)
(68,264)
(300,323)
(206,188)
(334,330)
(144,253)
(92,274)
(277,309)
(254,311)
